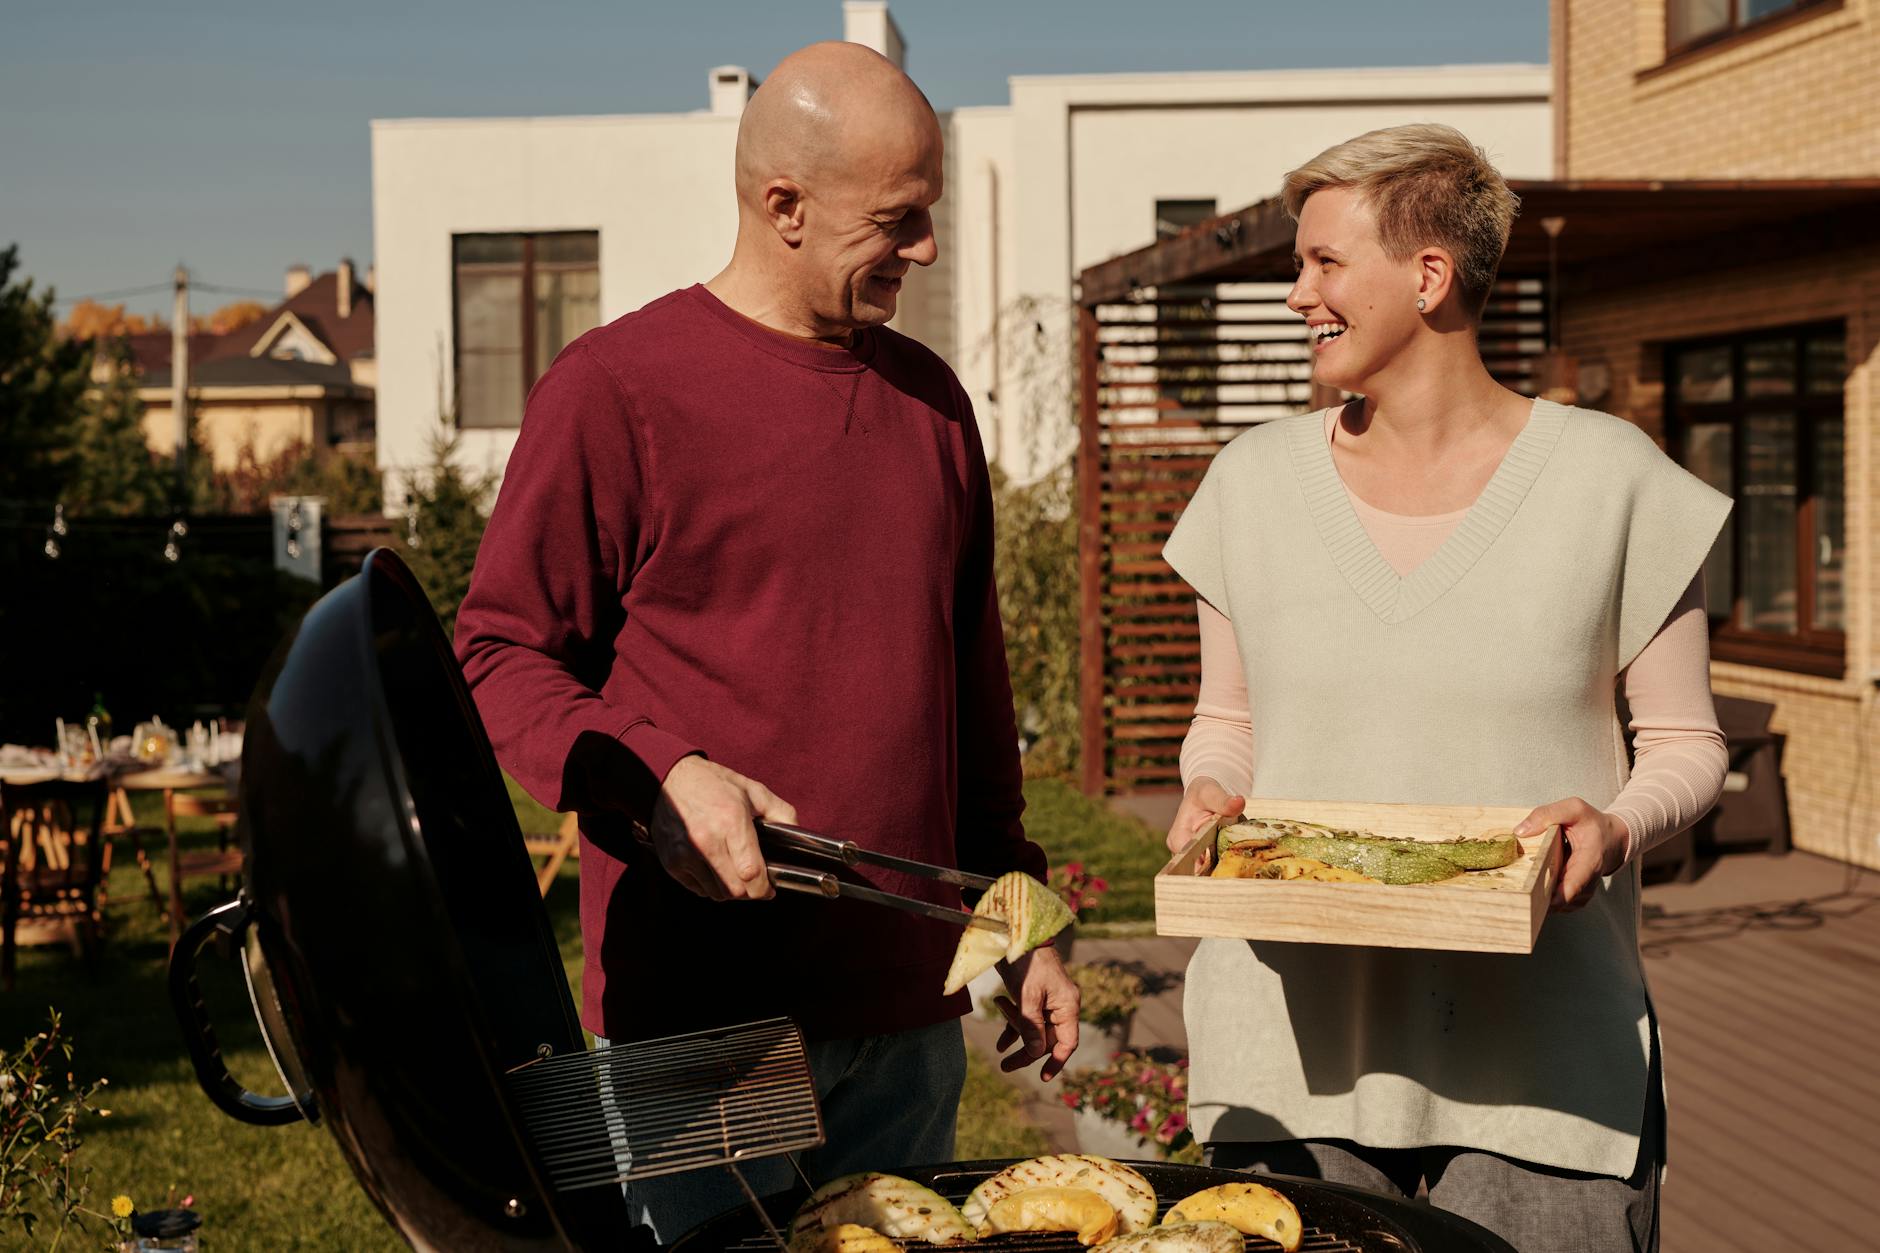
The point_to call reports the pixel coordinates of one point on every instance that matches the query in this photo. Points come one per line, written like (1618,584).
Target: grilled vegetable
(1053,1209)
(1180,1238)
(1309,868)
(1252,1208)
(843,1238)
(886,1204)
(1032,912)
(1127,1192)
(1489,851)
(1376,860)
(1243,860)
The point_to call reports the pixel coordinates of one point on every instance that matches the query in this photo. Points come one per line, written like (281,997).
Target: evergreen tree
(42,385)
(113,470)
(446,509)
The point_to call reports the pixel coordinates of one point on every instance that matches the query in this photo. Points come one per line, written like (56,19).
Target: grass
(289,1188)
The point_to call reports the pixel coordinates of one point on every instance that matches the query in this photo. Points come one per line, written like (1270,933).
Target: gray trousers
(1537,1209)
(888,1101)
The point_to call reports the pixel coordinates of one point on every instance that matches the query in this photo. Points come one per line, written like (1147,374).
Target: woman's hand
(1203,802)
(1592,843)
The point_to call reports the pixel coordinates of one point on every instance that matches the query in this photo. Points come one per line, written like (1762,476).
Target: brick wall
(1832,757)
(1799,98)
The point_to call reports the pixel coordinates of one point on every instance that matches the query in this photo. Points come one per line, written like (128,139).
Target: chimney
(298,277)
(868,22)
(731,87)
(345,288)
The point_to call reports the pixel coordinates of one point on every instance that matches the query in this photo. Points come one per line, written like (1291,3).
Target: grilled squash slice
(1128,1193)
(1180,1238)
(1032,912)
(1252,1208)
(887,1204)
(843,1238)
(1053,1209)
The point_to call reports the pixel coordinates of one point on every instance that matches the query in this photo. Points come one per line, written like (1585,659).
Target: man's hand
(702,830)
(1592,845)
(1203,802)
(1044,1021)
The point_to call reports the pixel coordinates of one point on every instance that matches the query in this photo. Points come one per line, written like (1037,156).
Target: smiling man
(741,567)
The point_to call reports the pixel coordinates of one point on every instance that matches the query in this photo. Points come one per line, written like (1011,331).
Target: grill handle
(225,925)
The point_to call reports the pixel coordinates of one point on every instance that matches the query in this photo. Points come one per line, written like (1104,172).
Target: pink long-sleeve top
(1679,752)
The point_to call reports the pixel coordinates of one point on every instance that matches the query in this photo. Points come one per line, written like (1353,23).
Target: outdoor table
(167,779)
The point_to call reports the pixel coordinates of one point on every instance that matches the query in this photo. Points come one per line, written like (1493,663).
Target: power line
(113,295)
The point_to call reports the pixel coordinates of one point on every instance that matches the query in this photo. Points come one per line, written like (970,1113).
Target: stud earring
(1421,304)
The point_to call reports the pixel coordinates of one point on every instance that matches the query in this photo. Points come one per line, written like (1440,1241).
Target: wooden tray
(1483,911)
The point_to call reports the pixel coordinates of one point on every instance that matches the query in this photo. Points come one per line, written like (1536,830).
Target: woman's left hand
(1593,844)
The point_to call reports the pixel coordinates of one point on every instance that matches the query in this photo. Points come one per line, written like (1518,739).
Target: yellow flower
(122,1206)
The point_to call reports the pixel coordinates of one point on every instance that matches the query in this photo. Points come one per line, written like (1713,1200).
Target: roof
(317,307)
(1601,220)
(246,371)
(150,350)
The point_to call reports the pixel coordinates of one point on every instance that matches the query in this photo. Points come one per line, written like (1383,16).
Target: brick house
(1705,262)
(1756,366)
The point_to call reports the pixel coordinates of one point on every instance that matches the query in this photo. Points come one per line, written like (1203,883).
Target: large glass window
(1689,23)
(520,299)
(1759,417)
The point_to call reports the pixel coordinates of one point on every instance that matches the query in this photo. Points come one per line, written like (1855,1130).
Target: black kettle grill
(405,975)
(409,989)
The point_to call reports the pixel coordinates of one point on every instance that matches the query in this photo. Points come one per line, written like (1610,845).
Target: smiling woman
(1430,595)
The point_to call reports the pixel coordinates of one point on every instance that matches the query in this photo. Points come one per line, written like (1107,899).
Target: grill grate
(657,1107)
(1315,1240)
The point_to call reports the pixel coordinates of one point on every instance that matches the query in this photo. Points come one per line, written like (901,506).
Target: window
(519,300)
(1689,23)
(1759,417)
(1172,217)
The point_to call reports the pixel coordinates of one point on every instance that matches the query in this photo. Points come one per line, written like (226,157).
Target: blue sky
(233,136)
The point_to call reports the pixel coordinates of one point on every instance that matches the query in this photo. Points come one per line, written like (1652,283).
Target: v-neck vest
(1486,676)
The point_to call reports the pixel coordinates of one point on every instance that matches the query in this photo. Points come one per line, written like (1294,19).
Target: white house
(596,216)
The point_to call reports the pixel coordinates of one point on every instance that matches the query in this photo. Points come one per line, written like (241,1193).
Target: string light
(55,531)
(293,531)
(172,551)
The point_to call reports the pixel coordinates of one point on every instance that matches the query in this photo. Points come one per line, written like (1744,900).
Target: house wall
(223,427)
(658,190)
(1798,101)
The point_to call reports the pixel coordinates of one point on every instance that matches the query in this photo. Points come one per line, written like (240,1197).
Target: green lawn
(288,1188)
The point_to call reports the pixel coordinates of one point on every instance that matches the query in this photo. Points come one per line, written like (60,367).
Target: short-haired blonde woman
(1436,593)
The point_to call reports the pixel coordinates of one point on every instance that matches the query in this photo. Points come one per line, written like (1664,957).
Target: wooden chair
(49,880)
(224,861)
(555,849)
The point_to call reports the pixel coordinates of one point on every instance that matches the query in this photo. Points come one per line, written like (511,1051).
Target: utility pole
(179,379)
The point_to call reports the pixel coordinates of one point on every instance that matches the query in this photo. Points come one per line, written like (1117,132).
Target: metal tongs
(783,838)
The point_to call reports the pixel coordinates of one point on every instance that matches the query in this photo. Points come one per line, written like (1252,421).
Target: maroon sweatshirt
(715,539)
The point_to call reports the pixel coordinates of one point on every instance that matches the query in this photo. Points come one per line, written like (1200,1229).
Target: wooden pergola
(1184,344)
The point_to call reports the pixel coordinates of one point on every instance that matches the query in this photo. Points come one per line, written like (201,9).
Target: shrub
(1109,993)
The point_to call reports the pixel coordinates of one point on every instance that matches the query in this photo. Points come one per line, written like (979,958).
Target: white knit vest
(1486,677)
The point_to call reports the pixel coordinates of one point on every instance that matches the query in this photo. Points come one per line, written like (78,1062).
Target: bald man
(741,567)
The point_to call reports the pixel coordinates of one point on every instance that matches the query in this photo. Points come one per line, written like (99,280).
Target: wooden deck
(1766,974)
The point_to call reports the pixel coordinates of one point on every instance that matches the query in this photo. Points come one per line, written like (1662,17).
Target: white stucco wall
(656,188)
(1064,176)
